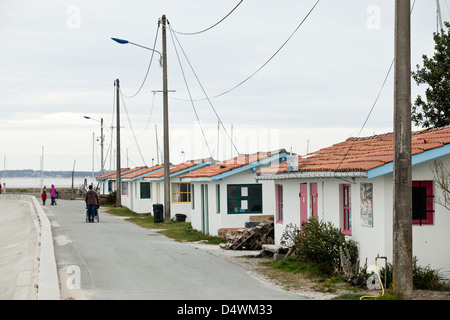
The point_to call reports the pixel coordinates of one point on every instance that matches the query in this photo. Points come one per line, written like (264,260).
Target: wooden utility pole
(102,138)
(166,126)
(439,17)
(402,222)
(118,180)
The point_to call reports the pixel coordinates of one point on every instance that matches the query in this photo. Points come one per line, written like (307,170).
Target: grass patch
(179,231)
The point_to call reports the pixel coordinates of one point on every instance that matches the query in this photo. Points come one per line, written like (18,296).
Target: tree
(435,111)
(441,172)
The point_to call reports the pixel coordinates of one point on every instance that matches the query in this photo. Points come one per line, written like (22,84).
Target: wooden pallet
(251,238)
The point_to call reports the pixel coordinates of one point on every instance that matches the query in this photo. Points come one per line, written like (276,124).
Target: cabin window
(124,188)
(218,198)
(145,190)
(422,202)
(279,201)
(244,198)
(181,192)
(346,209)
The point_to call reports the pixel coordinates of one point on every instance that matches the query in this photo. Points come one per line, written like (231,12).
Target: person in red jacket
(44,197)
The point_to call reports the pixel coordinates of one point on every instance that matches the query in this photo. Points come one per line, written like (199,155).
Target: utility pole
(102,138)
(402,211)
(118,181)
(439,16)
(166,126)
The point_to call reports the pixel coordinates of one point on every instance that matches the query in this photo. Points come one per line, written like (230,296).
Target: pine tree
(435,111)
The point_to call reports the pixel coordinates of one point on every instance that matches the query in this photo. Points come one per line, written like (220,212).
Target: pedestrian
(44,197)
(0,188)
(91,203)
(53,195)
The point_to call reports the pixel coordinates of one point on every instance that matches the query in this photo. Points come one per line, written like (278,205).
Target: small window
(218,198)
(181,192)
(193,196)
(346,209)
(145,190)
(244,198)
(422,202)
(124,188)
(279,200)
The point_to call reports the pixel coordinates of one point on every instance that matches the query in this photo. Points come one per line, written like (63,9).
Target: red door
(313,190)
(303,202)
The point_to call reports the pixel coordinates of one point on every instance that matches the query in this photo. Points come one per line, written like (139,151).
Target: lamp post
(163,58)
(102,138)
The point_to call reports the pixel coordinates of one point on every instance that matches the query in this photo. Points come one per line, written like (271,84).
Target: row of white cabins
(349,184)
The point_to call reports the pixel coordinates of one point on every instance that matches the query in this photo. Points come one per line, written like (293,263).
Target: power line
(149,64)
(131,127)
(204,30)
(374,104)
(201,86)
(265,63)
(187,87)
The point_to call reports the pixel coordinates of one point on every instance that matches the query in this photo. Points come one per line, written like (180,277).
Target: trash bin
(158,215)
(179,217)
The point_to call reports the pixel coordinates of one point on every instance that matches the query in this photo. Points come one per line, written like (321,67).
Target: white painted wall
(224,219)
(431,243)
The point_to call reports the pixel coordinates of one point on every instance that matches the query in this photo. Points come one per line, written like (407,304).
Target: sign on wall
(366,192)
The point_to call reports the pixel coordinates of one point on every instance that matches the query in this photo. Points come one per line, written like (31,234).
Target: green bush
(424,278)
(111,199)
(320,242)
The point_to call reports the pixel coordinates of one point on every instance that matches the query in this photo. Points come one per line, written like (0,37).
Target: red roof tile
(112,173)
(176,168)
(230,164)
(136,173)
(363,154)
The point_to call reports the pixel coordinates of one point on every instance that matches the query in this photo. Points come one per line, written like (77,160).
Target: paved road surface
(115,259)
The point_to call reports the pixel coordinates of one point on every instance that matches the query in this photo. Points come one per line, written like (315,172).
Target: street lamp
(163,57)
(101,140)
(122,41)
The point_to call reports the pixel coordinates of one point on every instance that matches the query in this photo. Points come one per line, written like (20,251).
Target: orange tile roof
(137,173)
(228,165)
(176,168)
(113,175)
(363,154)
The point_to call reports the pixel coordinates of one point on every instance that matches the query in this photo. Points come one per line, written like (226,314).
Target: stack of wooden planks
(251,238)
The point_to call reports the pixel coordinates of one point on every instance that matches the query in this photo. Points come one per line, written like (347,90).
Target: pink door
(303,202)
(313,190)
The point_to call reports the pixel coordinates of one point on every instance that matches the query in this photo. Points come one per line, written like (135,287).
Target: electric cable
(265,63)
(150,115)
(201,86)
(149,64)
(373,106)
(204,30)
(187,87)
(131,127)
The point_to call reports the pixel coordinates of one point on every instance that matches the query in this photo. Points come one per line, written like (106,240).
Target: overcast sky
(58,64)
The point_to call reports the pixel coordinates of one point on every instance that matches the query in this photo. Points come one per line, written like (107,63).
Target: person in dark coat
(91,203)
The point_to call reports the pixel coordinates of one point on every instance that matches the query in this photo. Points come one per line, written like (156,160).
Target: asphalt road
(115,259)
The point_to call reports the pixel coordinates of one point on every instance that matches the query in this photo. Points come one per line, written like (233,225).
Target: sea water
(35,182)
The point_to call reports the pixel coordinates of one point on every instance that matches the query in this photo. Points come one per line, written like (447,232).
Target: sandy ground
(253,264)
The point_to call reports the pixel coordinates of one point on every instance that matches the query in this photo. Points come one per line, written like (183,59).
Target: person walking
(91,200)
(53,195)
(43,197)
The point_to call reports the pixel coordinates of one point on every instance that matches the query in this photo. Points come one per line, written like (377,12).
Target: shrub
(424,278)
(320,242)
(111,199)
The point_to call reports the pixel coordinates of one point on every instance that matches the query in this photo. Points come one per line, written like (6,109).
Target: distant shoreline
(29,173)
